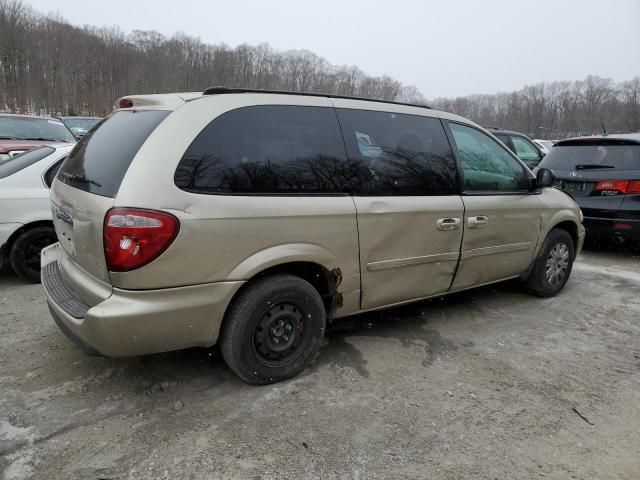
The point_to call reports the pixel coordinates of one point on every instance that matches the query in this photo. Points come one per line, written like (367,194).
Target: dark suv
(602,173)
(520,144)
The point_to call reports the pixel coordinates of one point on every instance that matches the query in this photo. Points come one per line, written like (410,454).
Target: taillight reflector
(619,186)
(134,237)
(622,226)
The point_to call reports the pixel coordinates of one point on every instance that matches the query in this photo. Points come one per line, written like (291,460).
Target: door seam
(464,224)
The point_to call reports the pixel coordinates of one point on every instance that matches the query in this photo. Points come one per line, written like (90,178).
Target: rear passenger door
(502,215)
(409,212)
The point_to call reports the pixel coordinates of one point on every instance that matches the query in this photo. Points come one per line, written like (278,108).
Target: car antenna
(604,130)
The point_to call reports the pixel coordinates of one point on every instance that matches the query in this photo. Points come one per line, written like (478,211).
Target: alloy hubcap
(279,332)
(557,264)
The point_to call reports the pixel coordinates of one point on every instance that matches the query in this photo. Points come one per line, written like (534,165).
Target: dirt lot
(486,384)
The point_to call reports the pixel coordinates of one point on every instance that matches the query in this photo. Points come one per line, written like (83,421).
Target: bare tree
(50,66)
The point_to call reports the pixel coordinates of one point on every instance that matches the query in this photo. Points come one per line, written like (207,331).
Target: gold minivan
(250,219)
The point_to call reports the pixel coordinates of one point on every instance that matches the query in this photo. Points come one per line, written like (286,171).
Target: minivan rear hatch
(88,182)
(598,172)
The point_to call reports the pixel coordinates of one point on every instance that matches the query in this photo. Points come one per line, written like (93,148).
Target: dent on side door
(409,246)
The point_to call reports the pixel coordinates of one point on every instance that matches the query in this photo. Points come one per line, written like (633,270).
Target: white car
(25,211)
(545,145)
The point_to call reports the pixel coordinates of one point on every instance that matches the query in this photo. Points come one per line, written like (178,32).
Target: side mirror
(544,178)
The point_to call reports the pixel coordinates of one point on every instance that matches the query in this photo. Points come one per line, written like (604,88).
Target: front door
(502,216)
(409,211)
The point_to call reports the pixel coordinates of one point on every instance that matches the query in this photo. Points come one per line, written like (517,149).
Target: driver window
(487,166)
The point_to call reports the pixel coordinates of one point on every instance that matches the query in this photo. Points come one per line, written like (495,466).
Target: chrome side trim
(410,261)
(512,247)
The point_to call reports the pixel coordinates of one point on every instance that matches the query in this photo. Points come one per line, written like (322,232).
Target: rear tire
(24,255)
(553,266)
(273,329)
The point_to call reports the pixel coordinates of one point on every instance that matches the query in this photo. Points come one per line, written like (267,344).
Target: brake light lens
(126,103)
(615,187)
(135,237)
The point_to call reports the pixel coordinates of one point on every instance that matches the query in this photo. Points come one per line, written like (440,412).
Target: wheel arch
(324,280)
(19,231)
(571,228)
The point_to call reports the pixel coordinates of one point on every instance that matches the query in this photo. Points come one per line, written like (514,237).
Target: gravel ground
(491,383)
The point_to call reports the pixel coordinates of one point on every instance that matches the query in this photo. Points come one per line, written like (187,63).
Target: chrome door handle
(448,224)
(480,221)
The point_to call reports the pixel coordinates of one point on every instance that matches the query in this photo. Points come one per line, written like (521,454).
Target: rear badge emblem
(573,174)
(64,215)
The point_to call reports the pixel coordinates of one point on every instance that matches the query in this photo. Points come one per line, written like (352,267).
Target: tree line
(556,109)
(50,66)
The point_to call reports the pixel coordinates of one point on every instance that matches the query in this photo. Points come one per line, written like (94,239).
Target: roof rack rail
(219,90)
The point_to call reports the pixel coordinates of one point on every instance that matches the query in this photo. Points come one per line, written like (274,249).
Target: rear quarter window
(98,163)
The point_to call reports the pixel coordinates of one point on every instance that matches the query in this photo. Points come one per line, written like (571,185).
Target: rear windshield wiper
(79,178)
(9,137)
(592,166)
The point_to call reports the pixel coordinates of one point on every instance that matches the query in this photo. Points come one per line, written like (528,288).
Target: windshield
(33,128)
(594,156)
(81,123)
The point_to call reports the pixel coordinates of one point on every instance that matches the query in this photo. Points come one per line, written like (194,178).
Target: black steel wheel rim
(280,335)
(33,249)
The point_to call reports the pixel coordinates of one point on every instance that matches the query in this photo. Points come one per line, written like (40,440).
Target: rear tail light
(134,237)
(615,187)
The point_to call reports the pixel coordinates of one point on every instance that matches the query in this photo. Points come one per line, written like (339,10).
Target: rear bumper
(131,322)
(612,227)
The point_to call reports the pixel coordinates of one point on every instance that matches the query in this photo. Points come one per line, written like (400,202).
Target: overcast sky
(445,48)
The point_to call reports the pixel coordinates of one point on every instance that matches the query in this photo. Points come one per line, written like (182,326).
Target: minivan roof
(174,100)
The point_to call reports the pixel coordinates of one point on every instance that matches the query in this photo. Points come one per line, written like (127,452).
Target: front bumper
(136,322)
(582,233)
(612,227)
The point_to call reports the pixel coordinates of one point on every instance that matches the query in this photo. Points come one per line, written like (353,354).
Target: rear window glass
(592,157)
(98,163)
(23,160)
(267,149)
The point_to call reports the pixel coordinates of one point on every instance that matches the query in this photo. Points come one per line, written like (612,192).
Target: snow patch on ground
(605,270)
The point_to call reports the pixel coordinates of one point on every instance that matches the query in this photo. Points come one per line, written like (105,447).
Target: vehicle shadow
(609,246)
(8,278)
(411,324)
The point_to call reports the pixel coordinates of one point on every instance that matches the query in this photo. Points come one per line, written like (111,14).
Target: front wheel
(273,329)
(24,255)
(553,266)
